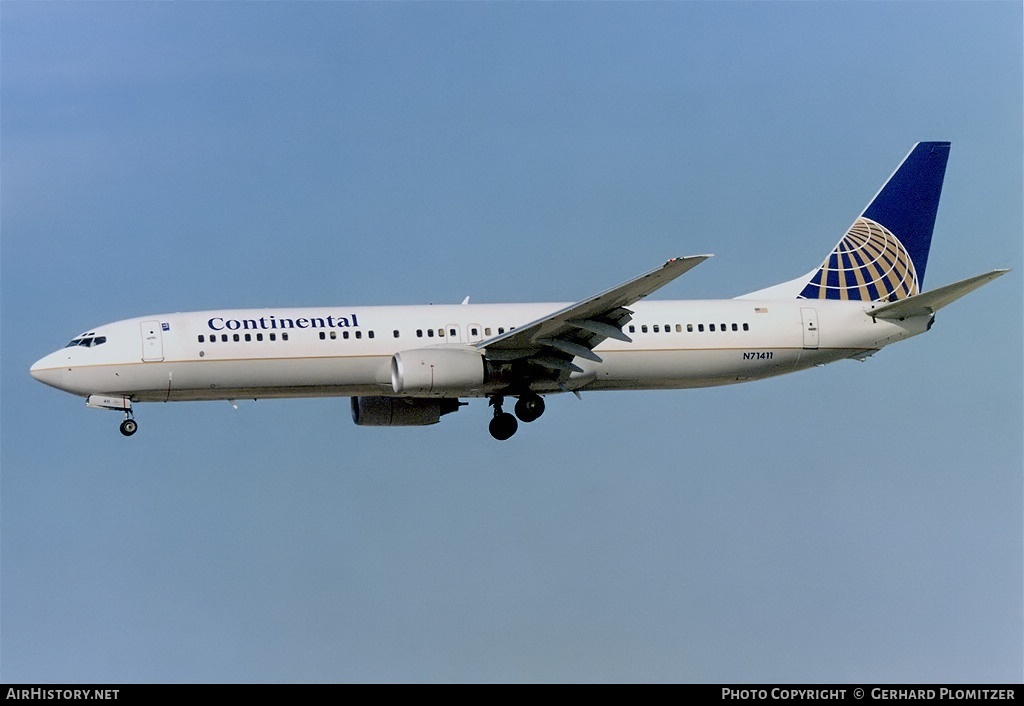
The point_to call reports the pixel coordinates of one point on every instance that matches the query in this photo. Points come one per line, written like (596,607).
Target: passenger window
(723,327)
(700,328)
(689,328)
(396,333)
(735,327)
(746,327)
(284,336)
(474,332)
(632,328)
(234,337)
(224,338)
(370,334)
(419,333)
(656,328)
(323,336)
(430,333)
(487,331)
(259,336)
(273,337)
(248,337)
(643,328)
(201,339)
(344,334)
(501,330)
(334,335)
(451,332)
(440,332)
(359,334)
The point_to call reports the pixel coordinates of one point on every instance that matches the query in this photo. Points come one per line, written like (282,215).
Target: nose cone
(48,370)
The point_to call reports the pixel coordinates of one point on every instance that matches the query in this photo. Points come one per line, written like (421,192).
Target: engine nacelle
(427,371)
(400,411)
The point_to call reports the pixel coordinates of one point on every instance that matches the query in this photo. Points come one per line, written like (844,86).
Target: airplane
(411,365)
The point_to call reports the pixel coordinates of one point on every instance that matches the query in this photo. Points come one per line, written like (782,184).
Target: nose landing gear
(119,404)
(129,426)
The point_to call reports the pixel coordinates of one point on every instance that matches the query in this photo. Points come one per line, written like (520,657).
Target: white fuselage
(347,351)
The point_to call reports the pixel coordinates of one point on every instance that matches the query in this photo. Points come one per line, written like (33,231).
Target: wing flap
(556,364)
(602,329)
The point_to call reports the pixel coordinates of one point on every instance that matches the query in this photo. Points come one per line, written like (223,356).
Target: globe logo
(869,264)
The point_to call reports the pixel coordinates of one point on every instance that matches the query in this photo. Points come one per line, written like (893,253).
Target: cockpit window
(87,341)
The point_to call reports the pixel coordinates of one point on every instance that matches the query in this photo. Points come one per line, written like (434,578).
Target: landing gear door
(152,341)
(810,323)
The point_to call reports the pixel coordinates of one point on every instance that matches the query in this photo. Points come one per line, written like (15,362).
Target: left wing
(551,343)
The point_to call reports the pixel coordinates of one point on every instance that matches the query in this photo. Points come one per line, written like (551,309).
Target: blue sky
(860,522)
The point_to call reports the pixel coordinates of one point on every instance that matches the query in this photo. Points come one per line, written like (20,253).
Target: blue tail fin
(884,253)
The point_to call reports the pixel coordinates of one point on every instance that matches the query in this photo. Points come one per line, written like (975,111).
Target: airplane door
(810,324)
(152,341)
(453,333)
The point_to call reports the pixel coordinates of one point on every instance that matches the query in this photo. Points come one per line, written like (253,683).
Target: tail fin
(883,255)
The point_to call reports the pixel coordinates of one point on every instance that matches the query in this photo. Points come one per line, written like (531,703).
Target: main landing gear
(528,408)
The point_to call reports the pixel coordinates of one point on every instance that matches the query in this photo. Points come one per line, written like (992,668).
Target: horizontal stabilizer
(929,302)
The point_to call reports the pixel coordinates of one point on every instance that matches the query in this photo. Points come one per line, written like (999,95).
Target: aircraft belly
(350,376)
(213,379)
(690,368)
(245,393)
